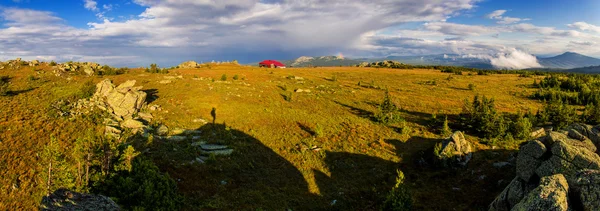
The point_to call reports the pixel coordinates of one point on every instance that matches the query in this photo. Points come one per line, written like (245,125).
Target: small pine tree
(521,127)
(445,128)
(388,111)
(399,198)
(126,159)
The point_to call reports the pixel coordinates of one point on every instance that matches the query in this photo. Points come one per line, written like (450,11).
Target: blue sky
(508,33)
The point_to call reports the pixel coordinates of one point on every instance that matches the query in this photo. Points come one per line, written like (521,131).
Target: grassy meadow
(292,150)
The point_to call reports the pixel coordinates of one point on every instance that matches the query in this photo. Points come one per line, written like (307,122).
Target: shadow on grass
(358,111)
(18,92)
(256,177)
(459,88)
(329,79)
(253,177)
(151,95)
(306,128)
(472,187)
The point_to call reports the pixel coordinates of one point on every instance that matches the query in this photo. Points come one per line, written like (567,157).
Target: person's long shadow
(254,175)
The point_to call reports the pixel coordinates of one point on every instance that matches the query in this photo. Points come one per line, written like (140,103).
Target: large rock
(588,189)
(556,164)
(132,124)
(63,199)
(189,64)
(124,100)
(529,159)
(511,195)
(551,194)
(454,151)
(568,159)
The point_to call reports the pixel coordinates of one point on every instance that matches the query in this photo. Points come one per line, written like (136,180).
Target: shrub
(399,198)
(87,89)
(521,127)
(559,113)
(591,114)
(471,87)
(236,77)
(387,112)
(155,69)
(481,117)
(223,77)
(52,63)
(4,89)
(144,187)
(107,70)
(31,78)
(319,131)
(289,96)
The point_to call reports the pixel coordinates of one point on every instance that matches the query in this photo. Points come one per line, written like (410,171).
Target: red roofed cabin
(271,64)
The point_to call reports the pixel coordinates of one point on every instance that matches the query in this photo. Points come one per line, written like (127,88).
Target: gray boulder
(162,130)
(132,124)
(511,195)
(588,189)
(63,199)
(551,194)
(529,159)
(454,151)
(557,164)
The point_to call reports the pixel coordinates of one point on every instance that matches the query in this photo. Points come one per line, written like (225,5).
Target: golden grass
(355,166)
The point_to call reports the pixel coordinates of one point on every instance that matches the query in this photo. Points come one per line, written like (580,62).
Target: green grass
(321,146)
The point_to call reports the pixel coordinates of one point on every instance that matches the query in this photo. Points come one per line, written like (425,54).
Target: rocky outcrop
(122,102)
(189,64)
(551,194)
(88,68)
(552,167)
(587,189)
(452,152)
(63,199)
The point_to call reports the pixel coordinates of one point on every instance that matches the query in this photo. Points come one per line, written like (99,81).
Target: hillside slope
(569,60)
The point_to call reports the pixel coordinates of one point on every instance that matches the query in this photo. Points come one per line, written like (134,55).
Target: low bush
(142,188)
(4,89)
(87,89)
(481,117)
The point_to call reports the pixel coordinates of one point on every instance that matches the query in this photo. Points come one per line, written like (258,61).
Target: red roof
(273,62)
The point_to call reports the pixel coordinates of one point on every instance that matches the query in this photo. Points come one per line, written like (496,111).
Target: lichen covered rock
(454,151)
(63,199)
(551,167)
(551,194)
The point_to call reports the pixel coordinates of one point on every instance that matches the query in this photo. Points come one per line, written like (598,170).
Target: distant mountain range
(566,62)
(321,61)
(569,60)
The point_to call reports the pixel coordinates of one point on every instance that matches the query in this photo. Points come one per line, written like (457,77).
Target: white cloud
(107,7)
(91,5)
(514,59)
(583,26)
(171,31)
(460,29)
(498,15)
